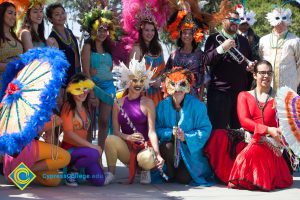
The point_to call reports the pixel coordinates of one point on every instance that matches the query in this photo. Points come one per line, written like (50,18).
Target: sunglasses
(234,20)
(270,73)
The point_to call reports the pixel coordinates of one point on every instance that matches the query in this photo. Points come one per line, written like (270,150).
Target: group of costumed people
(159,122)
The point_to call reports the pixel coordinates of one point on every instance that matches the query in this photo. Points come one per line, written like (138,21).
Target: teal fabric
(103,65)
(194,122)
(39,44)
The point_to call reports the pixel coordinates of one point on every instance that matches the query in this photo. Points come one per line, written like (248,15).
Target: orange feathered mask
(178,80)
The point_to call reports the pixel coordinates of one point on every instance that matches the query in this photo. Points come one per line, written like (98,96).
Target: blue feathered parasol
(30,88)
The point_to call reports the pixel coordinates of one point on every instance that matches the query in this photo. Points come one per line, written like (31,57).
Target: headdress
(178,79)
(278,15)
(189,15)
(24,5)
(90,22)
(81,87)
(245,16)
(136,70)
(136,12)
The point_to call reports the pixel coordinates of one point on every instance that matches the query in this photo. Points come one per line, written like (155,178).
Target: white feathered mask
(137,70)
(279,15)
(245,17)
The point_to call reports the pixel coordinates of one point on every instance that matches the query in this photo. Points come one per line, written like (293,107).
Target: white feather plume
(136,69)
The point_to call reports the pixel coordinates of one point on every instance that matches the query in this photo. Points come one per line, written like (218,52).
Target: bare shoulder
(25,33)
(147,102)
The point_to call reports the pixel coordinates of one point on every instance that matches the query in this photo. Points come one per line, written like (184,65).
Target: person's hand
(58,121)
(93,71)
(93,101)
(228,44)
(135,137)
(180,134)
(275,133)
(250,67)
(159,162)
(47,136)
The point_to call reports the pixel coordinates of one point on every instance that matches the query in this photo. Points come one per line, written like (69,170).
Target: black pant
(222,109)
(179,174)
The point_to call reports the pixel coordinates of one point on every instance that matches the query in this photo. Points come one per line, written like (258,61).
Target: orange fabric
(73,123)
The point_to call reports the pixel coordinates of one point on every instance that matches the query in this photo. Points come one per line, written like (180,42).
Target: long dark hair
(180,44)
(154,46)
(38,36)
(3,8)
(70,100)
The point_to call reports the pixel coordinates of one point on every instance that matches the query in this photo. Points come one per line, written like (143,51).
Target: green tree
(261,8)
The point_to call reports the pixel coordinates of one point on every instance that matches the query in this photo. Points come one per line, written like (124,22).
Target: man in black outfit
(228,77)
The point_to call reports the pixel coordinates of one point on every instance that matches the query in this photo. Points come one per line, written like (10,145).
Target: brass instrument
(233,52)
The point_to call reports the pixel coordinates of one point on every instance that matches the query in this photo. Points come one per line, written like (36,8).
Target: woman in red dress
(260,165)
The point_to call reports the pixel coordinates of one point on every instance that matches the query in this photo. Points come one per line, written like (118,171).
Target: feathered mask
(100,18)
(177,80)
(81,87)
(137,70)
(245,17)
(279,15)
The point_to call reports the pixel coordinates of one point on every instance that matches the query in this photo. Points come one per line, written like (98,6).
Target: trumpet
(233,52)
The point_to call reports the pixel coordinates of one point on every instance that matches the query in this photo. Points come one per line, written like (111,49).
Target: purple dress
(139,120)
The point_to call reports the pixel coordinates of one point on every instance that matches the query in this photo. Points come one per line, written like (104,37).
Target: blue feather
(14,142)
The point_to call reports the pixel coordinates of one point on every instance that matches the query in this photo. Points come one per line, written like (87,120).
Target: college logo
(21,176)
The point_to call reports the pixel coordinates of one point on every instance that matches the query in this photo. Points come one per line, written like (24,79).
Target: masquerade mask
(177,82)
(82,87)
(245,16)
(279,15)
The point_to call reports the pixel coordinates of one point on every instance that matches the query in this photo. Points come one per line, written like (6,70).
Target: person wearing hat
(183,127)
(282,49)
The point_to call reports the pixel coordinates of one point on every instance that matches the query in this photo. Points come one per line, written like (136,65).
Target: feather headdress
(189,14)
(245,16)
(136,70)
(136,12)
(98,17)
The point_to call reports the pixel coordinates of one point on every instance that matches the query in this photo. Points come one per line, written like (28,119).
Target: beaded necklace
(278,44)
(262,107)
(69,41)
(85,123)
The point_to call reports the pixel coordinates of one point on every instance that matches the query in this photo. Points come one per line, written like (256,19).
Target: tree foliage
(261,8)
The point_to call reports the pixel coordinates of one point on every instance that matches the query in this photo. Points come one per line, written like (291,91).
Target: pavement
(117,190)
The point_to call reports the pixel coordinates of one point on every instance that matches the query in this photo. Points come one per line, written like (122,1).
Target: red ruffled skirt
(217,151)
(258,168)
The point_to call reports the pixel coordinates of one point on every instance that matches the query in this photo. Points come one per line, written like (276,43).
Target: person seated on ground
(42,158)
(76,122)
(133,123)
(183,127)
(260,165)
